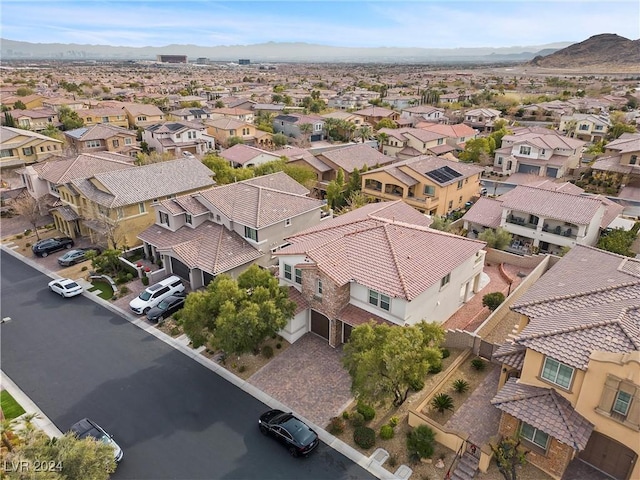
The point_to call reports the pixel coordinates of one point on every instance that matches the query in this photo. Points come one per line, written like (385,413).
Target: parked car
(292,432)
(153,295)
(65,287)
(88,428)
(76,255)
(167,307)
(44,247)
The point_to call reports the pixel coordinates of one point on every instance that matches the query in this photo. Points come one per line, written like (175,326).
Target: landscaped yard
(106,292)
(10,407)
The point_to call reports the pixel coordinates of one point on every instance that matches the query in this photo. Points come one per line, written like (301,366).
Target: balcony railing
(522,222)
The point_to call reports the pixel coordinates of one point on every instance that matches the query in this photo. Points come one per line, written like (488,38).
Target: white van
(154,294)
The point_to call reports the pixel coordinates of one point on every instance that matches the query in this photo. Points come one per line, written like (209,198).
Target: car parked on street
(44,247)
(76,255)
(289,430)
(65,287)
(88,428)
(166,307)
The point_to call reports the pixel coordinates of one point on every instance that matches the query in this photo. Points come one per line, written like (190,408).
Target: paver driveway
(309,378)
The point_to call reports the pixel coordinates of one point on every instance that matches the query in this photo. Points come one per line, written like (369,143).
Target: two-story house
(545,217)
(178,137)
(111,115)
(56,103)
(20,147)
(432,185)
(570,382)
(372,115)
(223,129)
(585,126)
(236,113)
(352,157)
(227,228)
(481,119)
(36,120)
(103,137)
(456,135)
(191,114)
(246,156)
(411,142)
(294,125)
(29,101)
(141,115)
(379,262)
(421,113)
(621,158)
(537,151)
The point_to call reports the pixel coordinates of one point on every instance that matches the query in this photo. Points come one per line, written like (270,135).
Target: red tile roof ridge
(568,423)
(403,284)
(574,328)
(608,288)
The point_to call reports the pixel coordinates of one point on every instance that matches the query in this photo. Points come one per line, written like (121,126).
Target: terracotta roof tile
(486,212)
(356,156)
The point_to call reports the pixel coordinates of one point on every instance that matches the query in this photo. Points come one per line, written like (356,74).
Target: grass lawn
(106,292)
(10,407)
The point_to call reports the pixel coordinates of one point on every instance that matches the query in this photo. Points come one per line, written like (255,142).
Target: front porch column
(467,290)
(476,284)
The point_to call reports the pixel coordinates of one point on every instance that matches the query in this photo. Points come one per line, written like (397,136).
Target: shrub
(84,269)
(416,384)
(27,231)
(129,277)
(145,280)
(420,442)
(124,290)
(18,237)
(364,437)
(478,364)
(442,402)
(357,419)
(445,353)
(345,415)
(493,300)
(367,411)
(393,460)
(386,432)
(435,368)
(27,244)
(242,368)
(336,426)
(267,351)
(278,345)
(460,385)
(394,421)
(174,331)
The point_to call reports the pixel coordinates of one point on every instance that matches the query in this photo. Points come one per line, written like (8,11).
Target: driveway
(309,378)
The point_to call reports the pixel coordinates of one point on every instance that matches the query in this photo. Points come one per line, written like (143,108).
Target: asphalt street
(174,418)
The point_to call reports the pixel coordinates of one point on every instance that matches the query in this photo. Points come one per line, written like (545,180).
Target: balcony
(563,231)
(521,221)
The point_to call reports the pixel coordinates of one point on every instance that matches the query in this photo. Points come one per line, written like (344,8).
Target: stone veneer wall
(558,454)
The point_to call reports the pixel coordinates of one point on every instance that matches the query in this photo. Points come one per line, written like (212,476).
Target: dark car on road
(292,432)
(44,247)
(76,255)
(166,307)
(88,428)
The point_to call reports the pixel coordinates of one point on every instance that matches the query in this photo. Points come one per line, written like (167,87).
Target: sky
(355,23)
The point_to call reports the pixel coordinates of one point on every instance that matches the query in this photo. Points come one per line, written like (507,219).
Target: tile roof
(354,316)
(612,164)
(84,165)
(545,410)
(242,154)
(99,132)
(375,112)
(427,163)
(510,354)
(486,212)
(296,297)
(356,156)
(254,205)
(627,142)
(147,182)
(279,181)
(209,247)
(452,131)
(226,123)
(546,139)
(396,258)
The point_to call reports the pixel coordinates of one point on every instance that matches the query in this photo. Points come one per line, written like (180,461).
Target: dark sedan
(76,255)
(44,247)
(166,307)
(292,432)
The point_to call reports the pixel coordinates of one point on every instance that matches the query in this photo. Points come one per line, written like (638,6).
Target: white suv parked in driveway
(154,294)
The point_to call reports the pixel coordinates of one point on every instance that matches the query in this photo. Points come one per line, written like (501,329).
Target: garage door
(320,324)
(316,138)
(609,456)
(179,268)
(552,172)
(528,169)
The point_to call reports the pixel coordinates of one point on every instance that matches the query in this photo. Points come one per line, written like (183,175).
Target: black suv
(44,247)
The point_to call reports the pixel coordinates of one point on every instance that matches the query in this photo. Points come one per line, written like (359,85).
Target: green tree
(52,132)
(24,91)
(493,300)
(19,105)
(303,175)
(386,123)
(384,361)
(382,139)
(9,121)
(441,223)
(420,442)
(618,129)
(234,141)
(508,457)
(364,133)
(477,150)
(224,172)
(355,200)
(305,130)
(618,241)
(279,139)
(355,182)
(335,191)
(69,118)
(498,238)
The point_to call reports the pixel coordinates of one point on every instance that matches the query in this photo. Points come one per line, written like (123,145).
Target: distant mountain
(604,49)
(273,52)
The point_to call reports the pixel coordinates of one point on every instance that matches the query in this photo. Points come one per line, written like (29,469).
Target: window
(287,272)
(633,160)
(298,273)
(105,119)
(164,219)
(319,287)
(188,219)
(92,143)
(598,127)
(584,126)
(450,204)
(141,119)
(28,151)
(287,222)
(556,372)
(127,141)
(429,190)
(460,184)
(525,150)
(445,280)
(251,233)
(116,143)
(141,207)
(621,405)
(440,141)
(535,436)
(379,300)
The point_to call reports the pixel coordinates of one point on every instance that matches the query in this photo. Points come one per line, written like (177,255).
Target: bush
(364,437)
(242,368)
(345,415)
(394,421)
(84,269)
(493,300)
(129,277)
(445,353)
(278,345)
(367,411)
(267,351)
(357,419)
(435,368)
(442,402)
(27,244)
(478,364)
(336,426)
(18,237)
(420,442)
(386,432)
(145,280)
(460,385)
(416,384)
(124,290)
(393,460)
(27,231)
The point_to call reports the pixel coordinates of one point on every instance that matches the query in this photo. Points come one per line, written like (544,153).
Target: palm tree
(382,139)
(305,130)
(364,132)
(442,402)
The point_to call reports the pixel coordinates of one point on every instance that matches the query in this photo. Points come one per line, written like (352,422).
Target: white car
(65,287)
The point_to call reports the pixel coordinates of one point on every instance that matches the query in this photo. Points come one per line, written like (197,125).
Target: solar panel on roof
(443,174)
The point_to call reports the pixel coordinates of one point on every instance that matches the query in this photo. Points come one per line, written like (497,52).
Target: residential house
(372,115)
(351,100)
(142,115)
(36,120)
(235,113)
(180,101)
(20,147)
(246,156)
(352,157)
(111,115)
(345,116)
(57,103)
(537,151)
(223,129)
(379,262)
(30,101)
(304,158)
(547,217)
(432,185)
(103,137)
(178,137)
(112,207)
(411,142)
(583,126)
(570,383)
(291,125)
(456,135)
(401,102)
(422,113)
(621,159)
(227,228)
(481,119)
(191,114)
